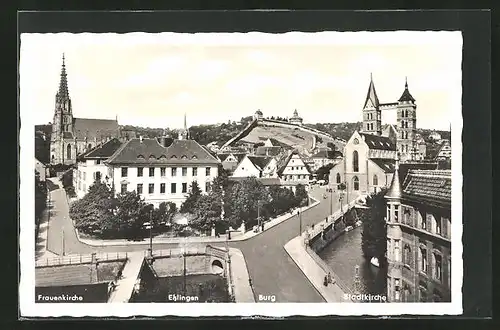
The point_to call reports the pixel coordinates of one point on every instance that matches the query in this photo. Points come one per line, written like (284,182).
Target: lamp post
(184,266)
(300,222)
(331,200)
(62,240)
(149,225)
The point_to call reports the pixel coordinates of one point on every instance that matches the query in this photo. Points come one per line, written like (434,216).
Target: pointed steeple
(395,189)
(63,83)
(371,96)
(406,96)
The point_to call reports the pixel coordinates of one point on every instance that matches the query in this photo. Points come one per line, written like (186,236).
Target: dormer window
(152,157)
(140,157)
(162,157)
(194,157)
(184,157)
(174,157)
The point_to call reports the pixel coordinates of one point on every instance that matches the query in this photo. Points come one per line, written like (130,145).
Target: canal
(343,254)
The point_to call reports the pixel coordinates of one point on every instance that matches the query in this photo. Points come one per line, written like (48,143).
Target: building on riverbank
(419,237)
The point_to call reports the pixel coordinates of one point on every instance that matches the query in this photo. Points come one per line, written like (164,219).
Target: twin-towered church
(369,155)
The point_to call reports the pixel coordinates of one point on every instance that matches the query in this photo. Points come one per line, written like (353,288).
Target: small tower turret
(407,125)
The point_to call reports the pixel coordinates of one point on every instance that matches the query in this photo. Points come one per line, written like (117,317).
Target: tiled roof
(395,188)
(95,128)
(387,165)
(327,154)
(283,162)
(105,150)
(428,186)
(432,150)
(268,151)
(260,162)
(406,96)
(222,157)
(378,142)
(149,151)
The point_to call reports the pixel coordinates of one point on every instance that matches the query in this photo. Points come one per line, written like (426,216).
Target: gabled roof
(329,154)
(150,151)
(222,157)
(260,162)
(387,165)
(428,186)
(378,142)
(283,162)
(95,128)
(371,95)
(105,150)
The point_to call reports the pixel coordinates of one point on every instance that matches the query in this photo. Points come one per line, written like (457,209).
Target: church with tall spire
(72,136)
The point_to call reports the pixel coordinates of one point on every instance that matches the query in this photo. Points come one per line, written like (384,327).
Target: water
(342,256)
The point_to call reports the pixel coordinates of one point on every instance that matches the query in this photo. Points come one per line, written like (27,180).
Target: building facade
(73,136)
(295,171)
(256,166)
(161,170)
(419,237)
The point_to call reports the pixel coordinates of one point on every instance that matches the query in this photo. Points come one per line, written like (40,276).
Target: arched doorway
(68,151)
(217,267)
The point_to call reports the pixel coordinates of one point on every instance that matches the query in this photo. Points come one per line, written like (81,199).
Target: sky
(152,80)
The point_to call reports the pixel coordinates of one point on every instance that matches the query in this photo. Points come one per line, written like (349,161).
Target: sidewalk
(41,251)
(207,239)
(243,293)
(314,273)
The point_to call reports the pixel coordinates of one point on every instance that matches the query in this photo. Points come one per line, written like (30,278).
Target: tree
(374,236)
(282,200)
(323,172)
(206,213)
(301,196)
(192,198)
(132,213)
(331,146)
(165,213)
(40,197)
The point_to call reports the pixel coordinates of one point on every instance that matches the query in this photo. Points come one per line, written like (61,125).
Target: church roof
(387,165)
(95,128)
(372,95)
(105,150)
(406,96)
(150,151)
(428,186)
(378,142)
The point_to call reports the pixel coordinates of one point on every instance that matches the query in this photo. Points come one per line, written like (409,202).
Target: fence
(178,252)
(81,259)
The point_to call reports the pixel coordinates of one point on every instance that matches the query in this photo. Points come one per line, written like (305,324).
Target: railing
(178,252)
(327,270)
(217,252)
(81,259)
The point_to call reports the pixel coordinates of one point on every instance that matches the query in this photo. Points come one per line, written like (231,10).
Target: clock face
(355,141)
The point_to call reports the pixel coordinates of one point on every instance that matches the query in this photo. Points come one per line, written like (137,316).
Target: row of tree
(101,213)
(40,198)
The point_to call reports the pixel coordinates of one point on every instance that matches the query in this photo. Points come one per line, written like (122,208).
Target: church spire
(63,83)
(406,96)
(371,96)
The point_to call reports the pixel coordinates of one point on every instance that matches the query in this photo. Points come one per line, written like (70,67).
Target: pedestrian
(250,281)
(262,225)
(119,275)
(329,277)
(325,281)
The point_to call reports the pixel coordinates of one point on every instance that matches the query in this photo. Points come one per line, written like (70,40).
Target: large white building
(256,166)
(161,170)
(294,171)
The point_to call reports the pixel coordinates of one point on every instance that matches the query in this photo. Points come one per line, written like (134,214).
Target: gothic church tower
(62,125)
(372,114)
(407,125)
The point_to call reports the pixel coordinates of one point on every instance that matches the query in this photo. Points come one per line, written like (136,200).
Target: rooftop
(429,186)
(104,150)
(387,165)
(378,142)
(95,128)
(150,151)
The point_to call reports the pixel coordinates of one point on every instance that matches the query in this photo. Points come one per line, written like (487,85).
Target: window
(207,171)
(355,161)
(123,188)
(437,225)
(84,176)
(423,260)
(139,188)
(396,289)
(124,172)
(421,221)
(397,251)
(174,171)
(162,188)
(407,259)
(406,292)
(184,187)
(140,171)
(338,177)
(184,171)
(207,186)
(151,171)
(98,176)
(375,180)
(396,213)
(98,161)
(355,181)
(407,216)
(195,171)
(173,188)
(163,171)
(438,267)
(68,151)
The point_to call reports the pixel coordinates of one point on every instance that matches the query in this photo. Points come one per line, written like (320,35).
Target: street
(272,271)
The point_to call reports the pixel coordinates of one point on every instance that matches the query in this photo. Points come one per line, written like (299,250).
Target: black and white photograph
(308,168)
